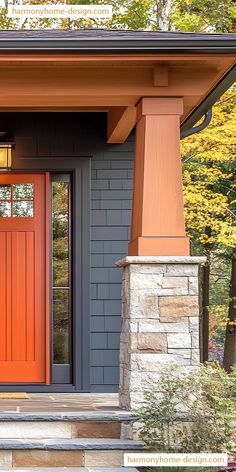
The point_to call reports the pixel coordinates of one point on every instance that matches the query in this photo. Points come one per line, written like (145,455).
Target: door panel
(23,281)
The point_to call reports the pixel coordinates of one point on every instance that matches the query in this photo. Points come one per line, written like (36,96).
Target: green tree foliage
(168,15)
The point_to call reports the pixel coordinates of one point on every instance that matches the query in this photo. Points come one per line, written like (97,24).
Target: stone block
(128,326)
(186,353)
(195,340)
(173,291)
(142,282)
(193,285)
(154,326)
(5,459)
(156,342)
(35,430)
(146,307)
(173,319)
(40,458)
(99,429)
(179,340)
(194,323)
(126,431)
(103,458)
(145,362)
(175,282)
(125,337)
(189,270)
(195,359)
(179,306)
(139,381)
(147,268)
(124,353)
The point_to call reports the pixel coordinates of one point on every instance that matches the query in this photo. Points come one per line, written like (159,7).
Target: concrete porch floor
(62,403)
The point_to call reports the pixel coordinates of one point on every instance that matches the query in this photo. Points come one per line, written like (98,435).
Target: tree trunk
(163,10)
(205,307)
(206,296)
(230,335)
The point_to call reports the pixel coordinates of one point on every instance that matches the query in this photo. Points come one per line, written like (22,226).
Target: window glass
(61,279)
(60,326)
(23,191)
(5,209)
(60,234)
(5,192)
(23,209)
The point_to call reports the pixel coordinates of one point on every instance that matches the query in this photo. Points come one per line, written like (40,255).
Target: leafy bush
(194,413)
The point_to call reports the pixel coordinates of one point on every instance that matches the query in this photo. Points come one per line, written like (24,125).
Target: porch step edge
(69,469)
(85,416)
(72,469)
(83,444)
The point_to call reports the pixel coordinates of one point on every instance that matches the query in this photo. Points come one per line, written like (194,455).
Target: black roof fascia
(115,42)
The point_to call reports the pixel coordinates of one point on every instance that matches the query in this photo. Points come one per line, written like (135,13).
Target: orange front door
(23,278)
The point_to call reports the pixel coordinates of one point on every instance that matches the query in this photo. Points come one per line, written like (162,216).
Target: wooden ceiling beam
(120,122)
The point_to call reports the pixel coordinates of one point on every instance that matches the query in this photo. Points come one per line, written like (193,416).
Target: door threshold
(40,388)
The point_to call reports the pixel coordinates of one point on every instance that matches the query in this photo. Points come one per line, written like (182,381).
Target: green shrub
(194,413)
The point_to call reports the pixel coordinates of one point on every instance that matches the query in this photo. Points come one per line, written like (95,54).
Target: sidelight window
(61,271)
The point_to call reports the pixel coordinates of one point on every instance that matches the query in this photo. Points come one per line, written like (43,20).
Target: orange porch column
(158,227)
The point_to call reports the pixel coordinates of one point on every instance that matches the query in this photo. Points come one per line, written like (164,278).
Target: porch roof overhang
(110,70)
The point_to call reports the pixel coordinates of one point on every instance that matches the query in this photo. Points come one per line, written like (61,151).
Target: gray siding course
(109,291)
(111,376)
(109,357)
(112,174)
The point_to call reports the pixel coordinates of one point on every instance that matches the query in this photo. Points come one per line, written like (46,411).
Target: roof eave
(168,45)
(197,45)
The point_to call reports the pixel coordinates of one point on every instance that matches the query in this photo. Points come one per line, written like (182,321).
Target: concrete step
(71,444)
(83,452)
(63,425)
(115,415)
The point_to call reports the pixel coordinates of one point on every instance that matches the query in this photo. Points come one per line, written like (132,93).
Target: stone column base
(160,321)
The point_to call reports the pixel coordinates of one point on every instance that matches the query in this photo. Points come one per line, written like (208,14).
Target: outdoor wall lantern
(6,146)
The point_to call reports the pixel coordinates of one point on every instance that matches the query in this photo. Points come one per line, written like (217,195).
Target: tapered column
(158,227)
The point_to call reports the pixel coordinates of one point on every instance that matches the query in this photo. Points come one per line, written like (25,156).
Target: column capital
(150,260)
(159,106)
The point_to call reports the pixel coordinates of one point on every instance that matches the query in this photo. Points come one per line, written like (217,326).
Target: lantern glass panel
(5,156)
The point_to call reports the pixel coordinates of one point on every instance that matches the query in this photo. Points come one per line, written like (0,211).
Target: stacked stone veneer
(160,321)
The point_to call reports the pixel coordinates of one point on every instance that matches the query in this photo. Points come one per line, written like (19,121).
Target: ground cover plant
(191,414)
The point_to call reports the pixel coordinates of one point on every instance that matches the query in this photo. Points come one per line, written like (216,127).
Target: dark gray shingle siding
(112,185)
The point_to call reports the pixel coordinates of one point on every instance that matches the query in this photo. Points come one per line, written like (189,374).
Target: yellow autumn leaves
(209,175)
